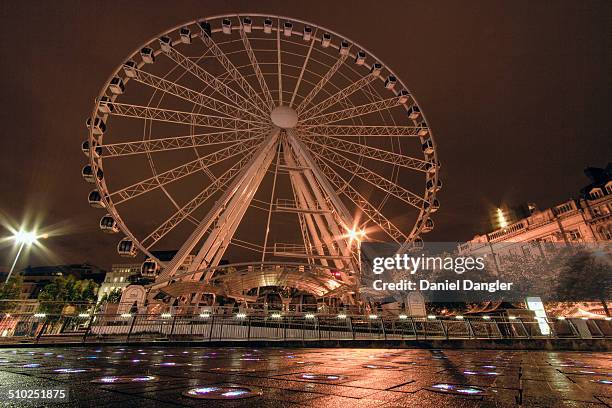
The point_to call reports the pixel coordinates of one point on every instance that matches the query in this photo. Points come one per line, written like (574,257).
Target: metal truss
(209,79)
(185,118)
(365,151)
(177,142)
(343,186)
(352,112)
(338,96)
(181,171)
(231,69)
(374,179)
(320,85)
(186,210)
(196,98)
(256,68)
(364,130)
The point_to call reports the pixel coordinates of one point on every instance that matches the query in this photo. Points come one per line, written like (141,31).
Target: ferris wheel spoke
(190,95)
(214,82)
(185,211)
(182,117)
(256,68)
(279,64)
(306,59)
(360,202)
(322,82)
(365,151)
(339,96)
(231,69)
(177,142)
(366,174)
(365,131)
(352,112)
(181,171)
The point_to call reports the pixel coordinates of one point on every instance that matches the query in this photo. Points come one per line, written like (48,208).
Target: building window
(574,235)
(605,233)
(609,188)
(596,193)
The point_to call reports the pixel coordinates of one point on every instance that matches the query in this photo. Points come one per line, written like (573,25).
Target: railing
(279,326)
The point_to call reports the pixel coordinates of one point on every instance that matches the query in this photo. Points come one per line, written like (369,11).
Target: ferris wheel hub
(284,117)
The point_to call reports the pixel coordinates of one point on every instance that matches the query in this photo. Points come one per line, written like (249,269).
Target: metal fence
(278,326)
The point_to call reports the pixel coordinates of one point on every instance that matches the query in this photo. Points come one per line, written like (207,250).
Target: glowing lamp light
(126,315)
(561,318)
(486,317)
(341,316)
(501,218)
(512,317)
(83,314)
(431,317)
(459,317)
(310,316)
(240,315)
(40,315)
(204,315)
(373,316)
(25,237)
(166,315)
(403,316)
(276,316)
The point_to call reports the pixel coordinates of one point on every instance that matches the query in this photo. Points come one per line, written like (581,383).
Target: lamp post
(23,238)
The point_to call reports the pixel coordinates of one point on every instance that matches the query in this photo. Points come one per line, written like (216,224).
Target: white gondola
(185,34)
(307,34)
(98,128)
(149,268)
(427,226)
(108,224)
(129,67)
(424,129)
(287,28)
(435,206)
(414,112)
(390,82)
(126,248)
(427,146)
(105,105)
(147,55)
(116,86)
(88,174)
(165,43)
(344,48)
(360,57)
(247,24)
(85,148)
(418,244)
(205,28)
(431,186)
(376,69)
(268,26)
(403,96)
(326,40)
(430,167)
(226,26)
(95,199)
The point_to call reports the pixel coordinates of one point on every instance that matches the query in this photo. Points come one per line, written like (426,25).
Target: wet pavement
(281,377)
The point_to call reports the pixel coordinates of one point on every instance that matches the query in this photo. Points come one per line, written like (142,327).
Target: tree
(586,276)
(114,296)
(67,290)
(9,291)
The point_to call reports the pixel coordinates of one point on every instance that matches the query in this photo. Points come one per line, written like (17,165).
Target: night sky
(517,94)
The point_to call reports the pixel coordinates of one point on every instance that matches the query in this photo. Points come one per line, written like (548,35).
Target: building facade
(586,219)
(118,278)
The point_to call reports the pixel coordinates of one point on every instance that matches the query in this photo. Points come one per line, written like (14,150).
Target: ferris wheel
(258,138)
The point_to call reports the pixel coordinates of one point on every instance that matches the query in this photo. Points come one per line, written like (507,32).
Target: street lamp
(23,238)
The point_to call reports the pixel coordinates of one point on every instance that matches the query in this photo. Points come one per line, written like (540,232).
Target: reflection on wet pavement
(309,377)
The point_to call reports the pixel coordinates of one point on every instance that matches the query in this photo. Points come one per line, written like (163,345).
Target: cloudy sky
(517,93)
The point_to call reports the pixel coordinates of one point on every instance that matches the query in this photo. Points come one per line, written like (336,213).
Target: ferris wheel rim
(96,162)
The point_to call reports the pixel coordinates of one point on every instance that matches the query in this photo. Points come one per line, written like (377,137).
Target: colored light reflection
(606,382)
(222,392)
(322,377)
(480,373)
(375,366)
(32,365)
(70,370)
(456,389)
(124,379)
